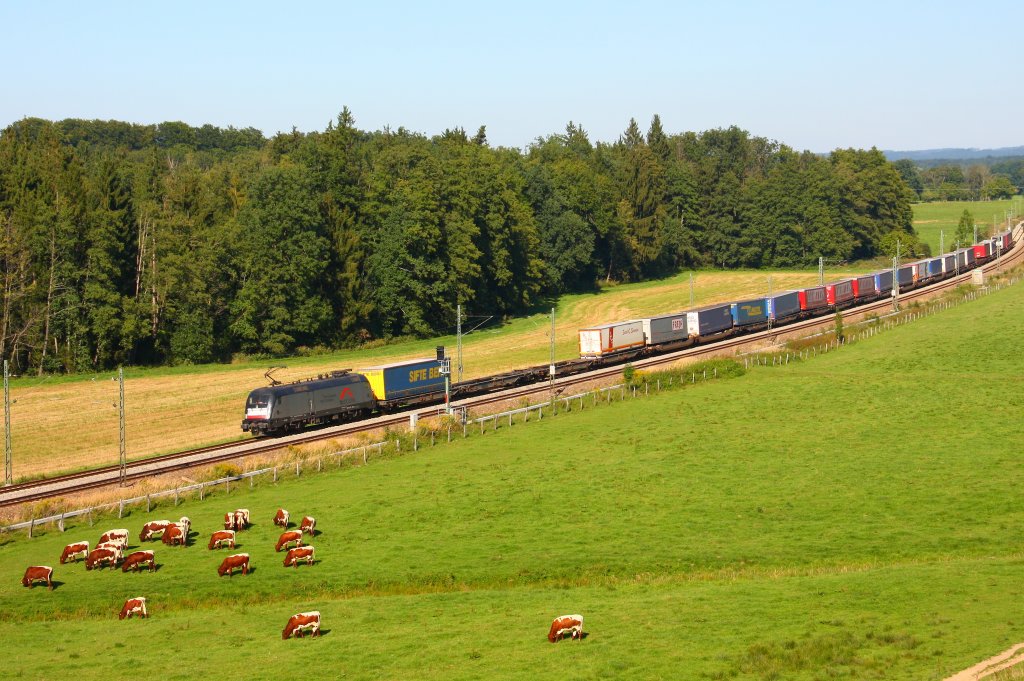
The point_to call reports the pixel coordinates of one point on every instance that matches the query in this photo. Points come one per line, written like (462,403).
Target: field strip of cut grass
(944,216)
(854,516)
(60,424)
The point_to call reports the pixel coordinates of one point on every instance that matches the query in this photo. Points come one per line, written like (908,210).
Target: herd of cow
(109,552)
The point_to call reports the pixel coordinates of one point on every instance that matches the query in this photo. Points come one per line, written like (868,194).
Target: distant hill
(952,154)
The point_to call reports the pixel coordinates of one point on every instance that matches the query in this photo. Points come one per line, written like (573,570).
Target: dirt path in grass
(1008,658)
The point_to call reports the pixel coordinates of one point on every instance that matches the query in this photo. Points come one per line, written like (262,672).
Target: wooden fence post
(148,505)
(364,455)
(31,525)
(202,491)
(175,495)
(227,486)
(60,523)
(120,508)
(297,469)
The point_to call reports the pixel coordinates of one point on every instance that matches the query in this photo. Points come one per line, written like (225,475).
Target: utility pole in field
(123,449)
(551,366)
(821,271)
(458,342)
(8,466)
(896,278)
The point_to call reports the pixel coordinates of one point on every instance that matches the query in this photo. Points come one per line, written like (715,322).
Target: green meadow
(943,216)
(853,516)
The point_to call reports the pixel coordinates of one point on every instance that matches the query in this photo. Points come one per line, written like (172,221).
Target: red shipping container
(813,298)
(839,292)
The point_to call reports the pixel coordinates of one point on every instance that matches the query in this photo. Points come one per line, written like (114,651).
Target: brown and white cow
(175,535)
(281,518)
(153,528)
(566,624)
(114,536)
(101,556)
(301,624)
(116,547)
(38,573)
(236,520)
(239,560)
(133,606)
(75,551)
(308,525)
(139,559)
(300,554)
(222,538)
(289,537)
(185,524)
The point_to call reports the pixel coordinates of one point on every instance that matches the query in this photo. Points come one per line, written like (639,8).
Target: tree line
(956,182)
(136,244)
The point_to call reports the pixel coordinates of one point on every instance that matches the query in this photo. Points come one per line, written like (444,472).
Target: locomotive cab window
(257,402)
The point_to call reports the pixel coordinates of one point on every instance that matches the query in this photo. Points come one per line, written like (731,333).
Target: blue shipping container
(709,320)
(405,379)
(782,305)
(905,276)
(747,312)
(935,267)
(883,281)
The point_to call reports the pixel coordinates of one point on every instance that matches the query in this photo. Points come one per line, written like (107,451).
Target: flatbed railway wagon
(401,384)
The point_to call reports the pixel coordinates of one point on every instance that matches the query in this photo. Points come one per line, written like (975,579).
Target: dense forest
(158,244)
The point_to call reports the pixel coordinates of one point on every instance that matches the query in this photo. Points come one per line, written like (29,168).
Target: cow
(566,624)
(289,537)
(301,624)
(174,535)
(102,555)
(116,547)
(308,525)
(139,559)
(185,524)
(229,521)
(222,538)
(133,606)
(300,554)
(239,560)
(114,536)
(38,573)
(153,528)
(75,551)
(236,520)
(281,518)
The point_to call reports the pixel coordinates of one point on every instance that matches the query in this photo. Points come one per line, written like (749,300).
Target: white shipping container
(609,338)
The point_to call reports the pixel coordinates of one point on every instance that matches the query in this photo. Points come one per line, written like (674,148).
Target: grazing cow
(38,573)
(566,624)
(281,518)
(222,538)
(174,535)
(114,536)
(153,528)
(308,525)
(185,524)
(101,556)
(236,520)
(239,560)
(133,606)
(300,554)
(116,547)
(286,538)
(74,551)
(301,624)
(139,559)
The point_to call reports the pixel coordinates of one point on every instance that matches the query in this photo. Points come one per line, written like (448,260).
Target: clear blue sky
(814,75)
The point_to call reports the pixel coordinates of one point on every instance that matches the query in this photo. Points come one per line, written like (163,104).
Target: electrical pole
(821,271)
(942,242)
(975,232)
(120,404)
(769,301)
(896,278)
(551,366)
(458,341)
(691,289)
(8,467)
(445,367)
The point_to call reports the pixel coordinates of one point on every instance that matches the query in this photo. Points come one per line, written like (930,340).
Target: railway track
(73,483)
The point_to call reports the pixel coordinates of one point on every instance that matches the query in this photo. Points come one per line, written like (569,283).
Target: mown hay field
(943,216)
(853,516)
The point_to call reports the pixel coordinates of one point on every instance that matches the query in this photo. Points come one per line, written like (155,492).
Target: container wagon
(404,383)
(883,282)
(839,292)
(783,305)
(905,277)
(864,287)
(948,265)
(707,321)
(608,339)
(749,312)
(669,328)
(813,298)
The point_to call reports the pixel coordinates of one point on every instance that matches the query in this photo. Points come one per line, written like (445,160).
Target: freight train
(344,396)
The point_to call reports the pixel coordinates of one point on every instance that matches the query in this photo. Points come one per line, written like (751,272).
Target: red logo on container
(347,392)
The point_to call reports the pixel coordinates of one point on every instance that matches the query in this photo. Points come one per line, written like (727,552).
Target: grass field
(853,516)
(944,216)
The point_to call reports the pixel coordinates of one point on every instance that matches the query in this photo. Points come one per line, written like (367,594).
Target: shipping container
(406,379)
(948,264)
(905,277)
(665,329)
(611,338)
(783,305)
(709,320)
(864,287)
(748,312)
(983,251)
(813,298)
(934,268)
(920,271)
(839,292)
(883,281)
